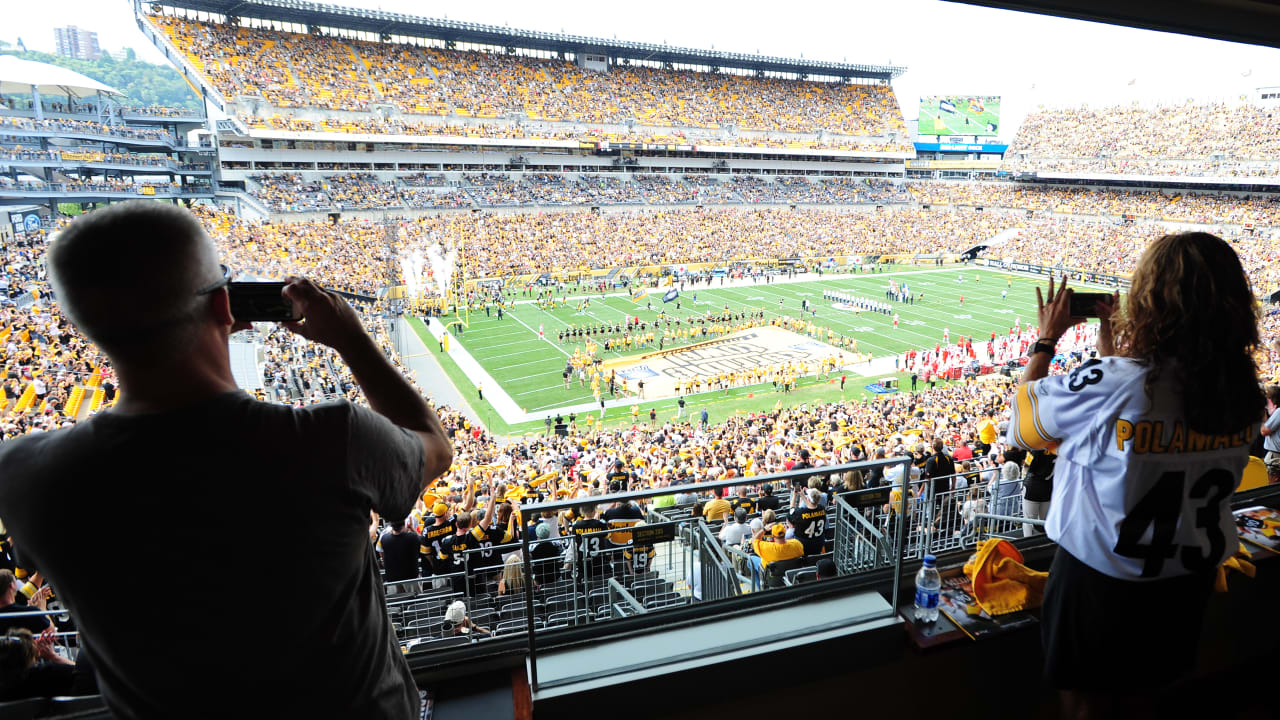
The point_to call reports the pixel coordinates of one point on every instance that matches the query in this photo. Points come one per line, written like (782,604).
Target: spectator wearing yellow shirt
(986,433)
(718,509)
(773,548)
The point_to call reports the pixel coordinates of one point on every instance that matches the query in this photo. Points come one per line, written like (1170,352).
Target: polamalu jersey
(1137,494)
(591,546)
(811,526)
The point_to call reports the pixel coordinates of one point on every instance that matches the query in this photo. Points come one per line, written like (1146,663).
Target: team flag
(670,295)
(637,296)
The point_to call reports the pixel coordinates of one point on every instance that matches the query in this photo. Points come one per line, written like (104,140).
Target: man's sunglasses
(226,279)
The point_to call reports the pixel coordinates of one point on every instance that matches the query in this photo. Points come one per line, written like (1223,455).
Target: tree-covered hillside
(141,82)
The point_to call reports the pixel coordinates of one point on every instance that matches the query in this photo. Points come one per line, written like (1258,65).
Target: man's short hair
(7,579)
(128,276)
(937,445)
(826,568)
(1273,394)
(740,515)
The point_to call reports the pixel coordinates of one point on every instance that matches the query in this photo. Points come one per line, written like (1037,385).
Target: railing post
(528,605)
(900,540)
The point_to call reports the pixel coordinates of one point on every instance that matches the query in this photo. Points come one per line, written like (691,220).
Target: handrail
(1010,518)
(720,565)
(714,484)
(617,591)
(717,548)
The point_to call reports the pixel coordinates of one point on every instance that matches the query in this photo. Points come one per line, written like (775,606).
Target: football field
(528,368)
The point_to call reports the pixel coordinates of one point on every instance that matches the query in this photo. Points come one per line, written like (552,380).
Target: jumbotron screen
(960,115)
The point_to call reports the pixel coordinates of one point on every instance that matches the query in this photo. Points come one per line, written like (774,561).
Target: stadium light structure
(380,23)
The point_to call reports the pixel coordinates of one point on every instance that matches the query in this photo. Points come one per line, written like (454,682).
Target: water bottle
(928,585)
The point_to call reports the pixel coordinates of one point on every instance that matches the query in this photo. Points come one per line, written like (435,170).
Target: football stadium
(574,364)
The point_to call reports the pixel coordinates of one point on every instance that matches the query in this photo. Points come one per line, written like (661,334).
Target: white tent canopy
(18,75)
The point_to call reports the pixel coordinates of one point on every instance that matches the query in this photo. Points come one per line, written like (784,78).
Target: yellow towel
(1235,562)
(1001,583)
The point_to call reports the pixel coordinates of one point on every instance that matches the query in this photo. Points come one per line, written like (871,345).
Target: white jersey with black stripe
(1137,494)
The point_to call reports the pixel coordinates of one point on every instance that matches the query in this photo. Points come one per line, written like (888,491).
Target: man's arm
(329,320)
(469,496)
(493,507)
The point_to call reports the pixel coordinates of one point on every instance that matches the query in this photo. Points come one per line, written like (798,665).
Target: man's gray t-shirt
(217,558)
(1271,443)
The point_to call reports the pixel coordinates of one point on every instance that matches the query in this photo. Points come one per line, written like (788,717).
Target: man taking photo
(142,281)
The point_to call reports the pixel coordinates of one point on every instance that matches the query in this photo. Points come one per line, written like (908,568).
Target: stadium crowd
(313,71)
(1202,207)
(1182,139)
(290,192)
(13,125)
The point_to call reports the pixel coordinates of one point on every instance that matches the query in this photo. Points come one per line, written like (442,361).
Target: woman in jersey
(1152,439)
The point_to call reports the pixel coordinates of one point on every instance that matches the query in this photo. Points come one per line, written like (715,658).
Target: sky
(947,48)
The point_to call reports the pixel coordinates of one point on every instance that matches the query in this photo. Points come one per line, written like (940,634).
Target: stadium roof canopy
(387,23)
(17,76)
(1247,21)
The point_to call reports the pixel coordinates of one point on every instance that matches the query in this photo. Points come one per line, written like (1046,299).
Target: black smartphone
(1085,304)
(260,302)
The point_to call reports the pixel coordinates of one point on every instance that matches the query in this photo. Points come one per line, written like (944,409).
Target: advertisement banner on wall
(25,222)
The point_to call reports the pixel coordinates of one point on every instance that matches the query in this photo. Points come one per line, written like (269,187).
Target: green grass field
(529,369)
(934,121)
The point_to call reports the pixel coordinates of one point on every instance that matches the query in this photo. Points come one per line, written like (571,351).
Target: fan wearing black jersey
(742,500)
(591,551)
(497,528)
(619,479)
(809,518)
(441,527)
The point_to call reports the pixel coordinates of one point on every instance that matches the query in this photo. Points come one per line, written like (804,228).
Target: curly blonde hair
(1190,310)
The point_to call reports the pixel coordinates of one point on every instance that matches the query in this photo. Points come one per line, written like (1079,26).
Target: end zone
(760,350)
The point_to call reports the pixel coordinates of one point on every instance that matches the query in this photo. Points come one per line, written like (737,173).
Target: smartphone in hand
(1085,304)
(260,302)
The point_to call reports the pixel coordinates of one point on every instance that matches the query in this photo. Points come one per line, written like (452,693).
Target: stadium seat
(567,618)
(561,603)
(776,571)
(663,600)
(64,704)
(799,576)
(23,709)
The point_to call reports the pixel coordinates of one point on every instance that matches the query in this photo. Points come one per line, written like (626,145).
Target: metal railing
(860,545)
(1008,527)
(711,566)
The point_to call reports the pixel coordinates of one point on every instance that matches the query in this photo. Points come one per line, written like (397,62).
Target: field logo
(639,372)
(962,317)
(810,346)
(844,306)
